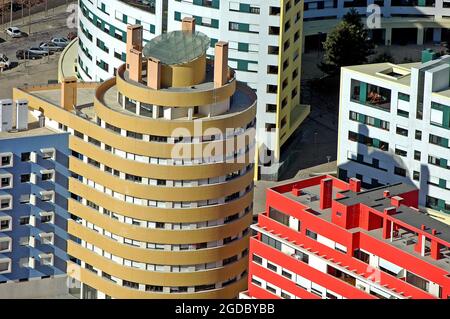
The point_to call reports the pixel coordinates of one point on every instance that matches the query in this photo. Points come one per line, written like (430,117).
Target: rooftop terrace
(33,130)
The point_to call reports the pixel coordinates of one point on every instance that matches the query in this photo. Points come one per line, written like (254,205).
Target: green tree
(383,57)
(347,44)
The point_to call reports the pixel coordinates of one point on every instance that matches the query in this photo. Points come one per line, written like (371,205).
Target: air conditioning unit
(21,115)
(6,115)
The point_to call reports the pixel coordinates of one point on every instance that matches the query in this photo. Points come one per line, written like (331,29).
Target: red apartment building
(325,238)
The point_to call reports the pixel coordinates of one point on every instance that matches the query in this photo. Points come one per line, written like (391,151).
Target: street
(39,71)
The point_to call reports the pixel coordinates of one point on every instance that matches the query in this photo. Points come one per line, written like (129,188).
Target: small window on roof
(395,72)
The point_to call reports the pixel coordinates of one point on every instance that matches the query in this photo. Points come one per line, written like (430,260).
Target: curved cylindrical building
(162,171)
(265,40)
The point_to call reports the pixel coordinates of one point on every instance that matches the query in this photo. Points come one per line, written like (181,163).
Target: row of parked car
(56,44)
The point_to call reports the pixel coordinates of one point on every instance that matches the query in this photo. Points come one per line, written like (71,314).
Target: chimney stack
(296,191)
(386,194)
(6,115)
(134,37)
(355,185)
(134,65)
(21,115)
(134,52)
(69,93)
(154,73)
(221,64)
(326,193)
(396,201)
(188,25)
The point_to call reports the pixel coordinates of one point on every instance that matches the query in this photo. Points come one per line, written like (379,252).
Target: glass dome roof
(177,47)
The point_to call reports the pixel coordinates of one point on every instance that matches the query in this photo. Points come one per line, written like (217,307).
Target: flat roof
(378,70)
(310,197)
(33,130)
(370,197)
(177,47)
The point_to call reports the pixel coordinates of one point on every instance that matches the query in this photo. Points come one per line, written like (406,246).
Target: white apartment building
(102,33)
(400,21)
(394,126)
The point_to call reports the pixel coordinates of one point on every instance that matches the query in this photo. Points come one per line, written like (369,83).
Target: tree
(347,44)
(383,57)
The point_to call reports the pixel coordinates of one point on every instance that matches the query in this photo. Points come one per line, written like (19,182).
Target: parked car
(50,46)
(71,36)
(14,32)
(40,51)
(61,42)
(26,54)
(4,62)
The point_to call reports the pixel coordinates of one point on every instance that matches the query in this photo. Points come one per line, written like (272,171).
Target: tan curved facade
(146,224)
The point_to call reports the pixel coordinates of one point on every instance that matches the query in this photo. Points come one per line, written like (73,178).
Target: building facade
(265,50)
(389,22)
(394,127)
(322,238)
(161,205)
(265,46)
(102,33)
(33,194)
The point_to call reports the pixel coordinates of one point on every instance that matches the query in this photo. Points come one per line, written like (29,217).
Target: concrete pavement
(38,71)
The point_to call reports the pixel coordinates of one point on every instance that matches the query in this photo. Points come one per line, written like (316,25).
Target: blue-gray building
(33,204)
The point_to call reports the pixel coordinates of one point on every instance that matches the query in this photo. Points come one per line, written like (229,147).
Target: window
(24,220)
(47,217)
(272,69)
(47,196)
(25,262)
(48,153)
(107,276)
(5,265)
(438,140)
(153,288)
(286,274)
(271,241)
(402,131)
(6,160)
(24,198)
(416,175)
(25,178)
(6,202)
(256,282)
(401,152)
(400,171)
(24,241)
(272,88)
(274,11)
(46,259)
(271,289)
(417,281)
(47,238)
(47,175)
(25,157)
(6,181)
(311,234)
(257,259)
(272,266)
(285,295)
(417,155)
(5,244)
(418,135)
